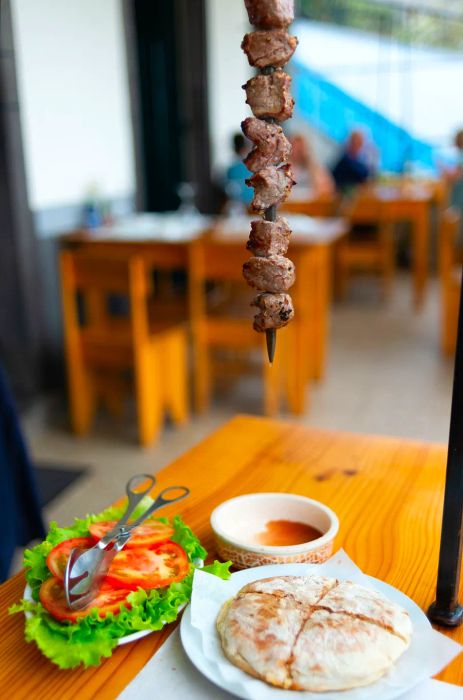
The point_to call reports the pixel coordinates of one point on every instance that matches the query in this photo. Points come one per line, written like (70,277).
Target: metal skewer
(271,334)
(270,214)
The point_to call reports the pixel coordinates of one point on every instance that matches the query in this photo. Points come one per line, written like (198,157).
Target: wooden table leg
(295,372)
(320,309)
(420,225)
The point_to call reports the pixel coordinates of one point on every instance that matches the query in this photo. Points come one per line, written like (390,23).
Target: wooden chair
(324,206)
(101,348)
(450,279)
(369,245)
(223,327)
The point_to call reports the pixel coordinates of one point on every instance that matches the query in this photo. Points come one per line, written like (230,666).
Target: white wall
(228,70)
(74,100)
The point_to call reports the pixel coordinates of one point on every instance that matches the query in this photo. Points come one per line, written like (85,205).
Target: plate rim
(195,658)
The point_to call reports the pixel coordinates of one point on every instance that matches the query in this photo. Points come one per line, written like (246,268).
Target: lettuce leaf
(92,638)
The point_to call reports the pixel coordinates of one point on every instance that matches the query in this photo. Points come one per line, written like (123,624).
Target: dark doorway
(20,311)
(169,52)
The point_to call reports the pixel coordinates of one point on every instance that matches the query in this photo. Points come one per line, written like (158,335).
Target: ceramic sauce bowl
(237,523)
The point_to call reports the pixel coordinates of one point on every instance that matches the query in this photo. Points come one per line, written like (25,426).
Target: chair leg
(450,303)
(271,387)
(176,376)
(148,393)
(202,375)
(272,376)
(82,399)
(341,279)
(296,376)
(387,270)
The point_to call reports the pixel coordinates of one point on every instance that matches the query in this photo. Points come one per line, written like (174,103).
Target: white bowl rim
(329,535)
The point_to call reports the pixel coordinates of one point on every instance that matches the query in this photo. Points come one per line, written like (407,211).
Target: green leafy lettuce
(93,638)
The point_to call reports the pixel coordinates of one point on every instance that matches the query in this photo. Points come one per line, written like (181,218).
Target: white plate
(135,636)
(192,643)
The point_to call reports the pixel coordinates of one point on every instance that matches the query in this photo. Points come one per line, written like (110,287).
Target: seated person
(236,174)
(308,172)
(351,169)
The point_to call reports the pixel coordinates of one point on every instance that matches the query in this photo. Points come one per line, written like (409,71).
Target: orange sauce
(280,533)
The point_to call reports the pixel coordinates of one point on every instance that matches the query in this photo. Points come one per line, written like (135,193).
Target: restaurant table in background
(163,240)
(390,527)
(163,237)
(411,202)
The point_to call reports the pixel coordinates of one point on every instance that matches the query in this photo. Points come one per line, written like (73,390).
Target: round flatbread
(313,632)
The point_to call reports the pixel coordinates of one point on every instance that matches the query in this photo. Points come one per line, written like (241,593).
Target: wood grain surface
(387,492)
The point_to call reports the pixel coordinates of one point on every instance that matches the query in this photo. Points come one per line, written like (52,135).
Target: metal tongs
(86,568)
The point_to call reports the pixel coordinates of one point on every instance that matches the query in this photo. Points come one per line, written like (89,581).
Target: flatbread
(313,632)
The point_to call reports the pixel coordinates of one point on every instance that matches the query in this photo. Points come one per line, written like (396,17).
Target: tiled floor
(385,375)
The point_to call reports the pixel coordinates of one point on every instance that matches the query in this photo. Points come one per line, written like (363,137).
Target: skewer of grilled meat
(268,238)
(269,47)
(275,274)
(268,94)
(270,14)
(271,186)
(271,145)
(276,310)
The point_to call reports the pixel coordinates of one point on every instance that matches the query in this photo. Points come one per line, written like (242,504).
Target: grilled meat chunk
(275,274)
(276,310)
(273,47)
(269,96)
(271,186)
(269,238)
(272,146)
(270,13)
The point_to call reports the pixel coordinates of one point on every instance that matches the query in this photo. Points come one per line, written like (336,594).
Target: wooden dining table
(163,241)
(387,493)
(409,201)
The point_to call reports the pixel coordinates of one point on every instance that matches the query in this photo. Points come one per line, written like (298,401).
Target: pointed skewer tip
(271,338)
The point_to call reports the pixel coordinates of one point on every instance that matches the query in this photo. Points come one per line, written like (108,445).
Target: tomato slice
(150,534)
(149,568)
(59,555)
(108,600)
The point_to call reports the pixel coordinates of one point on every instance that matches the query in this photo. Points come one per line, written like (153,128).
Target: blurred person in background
(236,188)
(354,166)
(308,172)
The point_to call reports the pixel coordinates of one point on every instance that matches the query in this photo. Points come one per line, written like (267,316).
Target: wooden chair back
(369,249)
(214,261)
(364,208)
(219,262)
(93,277)
(100,345)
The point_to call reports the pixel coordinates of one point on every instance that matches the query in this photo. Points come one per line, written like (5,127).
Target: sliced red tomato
(108,600)
(59,555)
(150,534)
(149,568)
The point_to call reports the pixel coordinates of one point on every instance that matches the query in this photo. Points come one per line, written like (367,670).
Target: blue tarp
(333,112)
